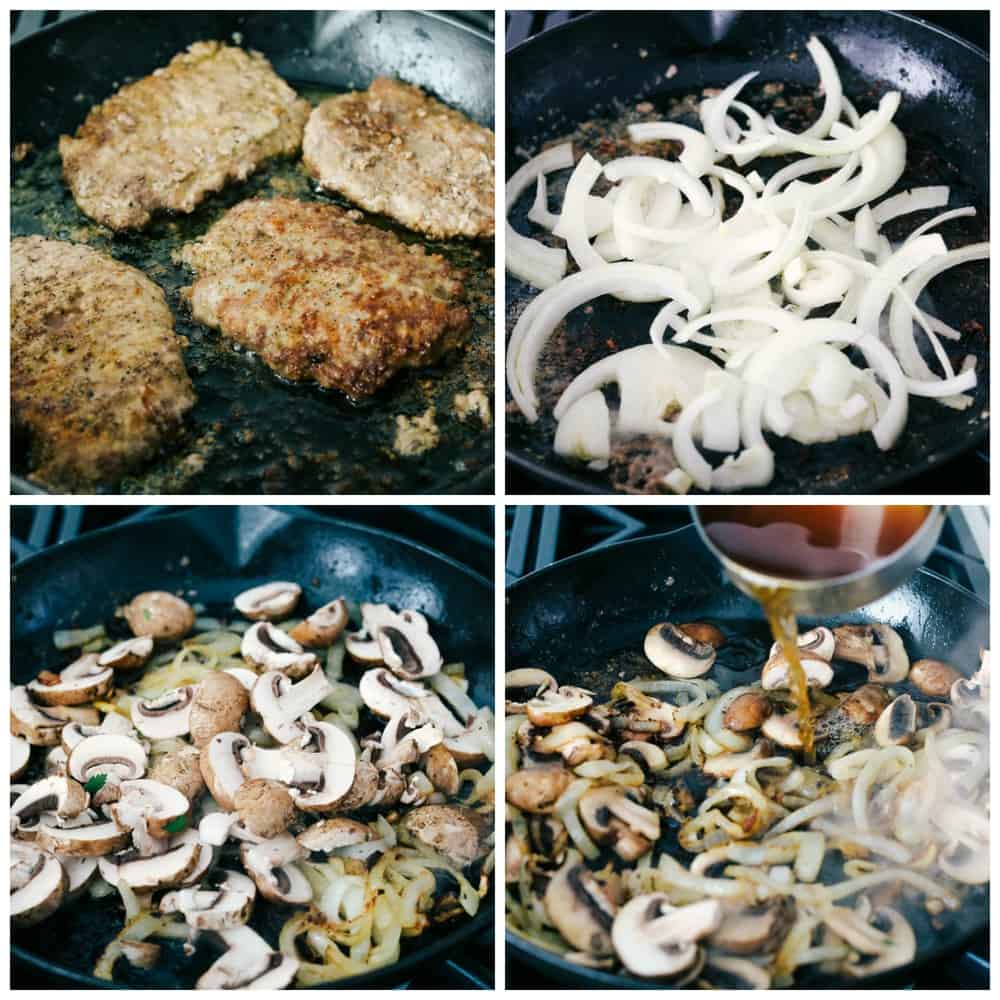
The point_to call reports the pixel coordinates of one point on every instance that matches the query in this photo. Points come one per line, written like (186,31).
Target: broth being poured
(806,543)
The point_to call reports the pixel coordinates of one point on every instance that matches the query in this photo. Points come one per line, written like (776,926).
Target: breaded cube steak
(211,116)
(98,384)
(394,150)
(320,297)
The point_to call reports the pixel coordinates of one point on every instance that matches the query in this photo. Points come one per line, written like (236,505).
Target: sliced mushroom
(725,765)
(611,817)
(553,708)
(79,874)
(525,683)
(40,727)
(222,767)
(648,756)
(37,882)
(128,654)
(226,901)
(91,841)
(876,647)
(580,909)
(866,704)
(640,715)
(281,704)
(218,705)
(755,929)
(747,712)
(776,673)
(162,871)
(336,757)
(442,771)
(112,724)
(268,602)
(897,725)
(149,807)
(676,653)
(332,834)
(364,646)
(269,649)
(81,682)
(60,795)
(363,789)
(160,615)
(409,651)
(933,677)
(165,716)
(654,939)
(248,962)
(20,756)
(537,789)
(324,626)
(784,730)
(119,758)
(265,807)
(271,865)
(819,641)
(180,769)
(457,833)
(405,740)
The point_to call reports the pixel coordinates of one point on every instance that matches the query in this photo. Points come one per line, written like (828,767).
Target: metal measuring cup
(837,594)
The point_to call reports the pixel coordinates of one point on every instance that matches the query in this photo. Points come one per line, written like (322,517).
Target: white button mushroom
(268,602)
(676,653)
(159,615)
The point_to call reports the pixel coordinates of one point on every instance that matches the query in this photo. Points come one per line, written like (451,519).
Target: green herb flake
(177,825)
(95,783)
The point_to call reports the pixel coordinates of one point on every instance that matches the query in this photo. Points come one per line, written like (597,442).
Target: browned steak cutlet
(213,115)
(97,379)
(392,149)
(320,297)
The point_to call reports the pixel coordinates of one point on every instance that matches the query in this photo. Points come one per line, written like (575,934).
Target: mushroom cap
(537,789)
(777,670)
(580,909)
(784,730)
(226,903)
(676,653)
(747,712)
(757,929)
(282,704)
(269,601)
(607,812)
(330,834)
(705,632)
(39,726)
(265,807)
(166,715)
(161,871)
(819,641)
(525,683)
(408,650)
(876,647)
(91,841)
(180,769)
(151,804)
(338,763)
(442,770)
(218,705)
(248,961)
(324,626)
(128,654)
(655,939)
(55,794)
(38,891)
(79,683)
(457,833)
(271,865)
(160,615)
(933,678)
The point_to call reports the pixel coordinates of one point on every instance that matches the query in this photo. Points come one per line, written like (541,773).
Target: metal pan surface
(598,605)
(252,432)
(210,554)
(597,68)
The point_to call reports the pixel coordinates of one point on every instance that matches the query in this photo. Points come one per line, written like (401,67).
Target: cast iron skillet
(601,66)
(583,619)
(252,432)
(211,554)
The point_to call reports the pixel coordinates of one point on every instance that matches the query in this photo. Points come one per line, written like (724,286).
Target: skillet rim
(418,956)
(551,963)
(569,479)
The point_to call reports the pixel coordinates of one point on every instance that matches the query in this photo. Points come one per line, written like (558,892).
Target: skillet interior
(583,619)
(593,68)
(288,438)
(212,553)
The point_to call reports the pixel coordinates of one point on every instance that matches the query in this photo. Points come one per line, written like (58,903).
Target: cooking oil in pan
(806,543)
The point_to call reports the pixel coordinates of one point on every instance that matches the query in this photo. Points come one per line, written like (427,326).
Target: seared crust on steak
(97,379)
(320,297)
(213,115)
(392,149)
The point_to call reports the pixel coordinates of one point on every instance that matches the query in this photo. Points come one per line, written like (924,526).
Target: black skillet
(250,431)
(583,619)
(210,554)
(600,66)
